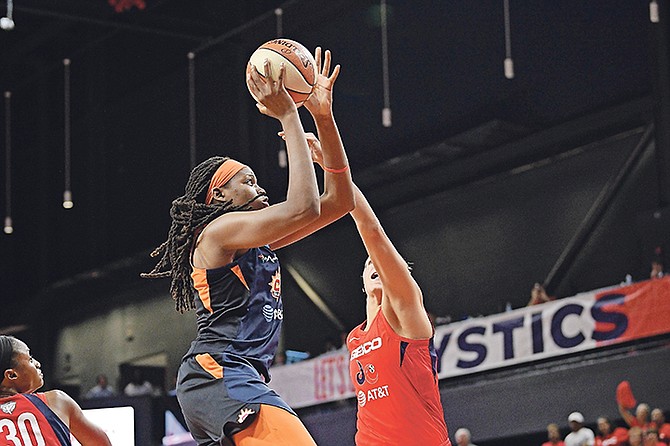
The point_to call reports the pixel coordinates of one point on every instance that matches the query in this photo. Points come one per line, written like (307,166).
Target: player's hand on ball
(272,99)
(320,102)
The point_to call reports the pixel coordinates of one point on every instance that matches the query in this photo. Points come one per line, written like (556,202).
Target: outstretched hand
(271,96)
(320,102)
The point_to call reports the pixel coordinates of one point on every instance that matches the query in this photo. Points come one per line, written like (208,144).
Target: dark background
(487,184)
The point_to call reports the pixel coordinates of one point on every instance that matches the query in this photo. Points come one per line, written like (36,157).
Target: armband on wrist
(342,170)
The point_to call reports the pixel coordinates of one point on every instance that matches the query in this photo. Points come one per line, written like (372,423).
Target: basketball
(300,66)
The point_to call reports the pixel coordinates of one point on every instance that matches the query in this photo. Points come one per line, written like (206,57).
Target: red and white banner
(583,322)
(314,381)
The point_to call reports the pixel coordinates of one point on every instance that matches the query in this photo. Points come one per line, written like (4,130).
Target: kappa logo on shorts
(244,413)
(8,407)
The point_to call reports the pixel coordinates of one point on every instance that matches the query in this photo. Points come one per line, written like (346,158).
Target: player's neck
(6,392)
(372,308)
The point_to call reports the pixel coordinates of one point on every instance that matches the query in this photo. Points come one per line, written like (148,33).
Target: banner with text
(583,322)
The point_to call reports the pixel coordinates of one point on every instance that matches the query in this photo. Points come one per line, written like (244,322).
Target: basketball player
(393,364)
(220,258)
(45,418)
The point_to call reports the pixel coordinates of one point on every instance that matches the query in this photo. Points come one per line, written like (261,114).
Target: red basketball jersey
(26,419)
(396,385)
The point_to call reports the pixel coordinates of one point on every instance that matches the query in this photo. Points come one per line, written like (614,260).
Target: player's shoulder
(57,396)
(56,393)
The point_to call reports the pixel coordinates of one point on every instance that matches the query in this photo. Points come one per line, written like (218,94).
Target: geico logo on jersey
(270,314)
(366,348)
(371,395)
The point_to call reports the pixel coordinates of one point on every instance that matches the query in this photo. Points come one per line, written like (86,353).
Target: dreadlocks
(187,216)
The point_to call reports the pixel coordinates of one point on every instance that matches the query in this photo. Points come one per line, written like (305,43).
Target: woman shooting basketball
(220,258)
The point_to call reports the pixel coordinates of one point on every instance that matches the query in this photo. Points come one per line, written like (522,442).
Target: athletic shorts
(220,395)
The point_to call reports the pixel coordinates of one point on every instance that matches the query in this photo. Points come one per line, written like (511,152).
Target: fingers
(282,73)
(323,63)
(326,64)
(252,76)
(261,108)
(336,72)
(267,69)
(317,58)
(322,66)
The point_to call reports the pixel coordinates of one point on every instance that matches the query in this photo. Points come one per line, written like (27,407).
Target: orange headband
(223,174)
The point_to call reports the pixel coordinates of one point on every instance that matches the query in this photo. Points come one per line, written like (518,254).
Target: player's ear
(217,193)
(10,374)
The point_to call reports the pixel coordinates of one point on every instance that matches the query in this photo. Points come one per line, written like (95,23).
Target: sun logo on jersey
(8,407)
(275,285)
(371,374)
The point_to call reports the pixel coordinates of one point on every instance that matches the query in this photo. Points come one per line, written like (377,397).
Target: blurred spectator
(651,438)
(635,436)
(431,318)
(443,320)
(608,435)
(463,437)
(173,388)
(656,269)
(641,418)
(102,389)
(553,436)
(329,346)
(280,358)
(579,435)
(663,428)
(343,341)
(538,295)
(138,386)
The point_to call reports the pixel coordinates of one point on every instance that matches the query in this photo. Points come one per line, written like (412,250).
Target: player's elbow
(371,230)
(307,211)
(340,204)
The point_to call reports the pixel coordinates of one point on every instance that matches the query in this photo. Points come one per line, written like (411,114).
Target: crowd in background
(644,428)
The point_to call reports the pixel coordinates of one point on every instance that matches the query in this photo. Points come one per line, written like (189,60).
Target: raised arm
(402,302)
(240,230)
(627,415)
(327,151)
(86,433)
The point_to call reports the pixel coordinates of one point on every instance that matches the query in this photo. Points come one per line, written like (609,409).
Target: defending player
(27,417)
(393,364)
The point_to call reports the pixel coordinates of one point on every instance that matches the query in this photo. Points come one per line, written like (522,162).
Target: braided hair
(189,213)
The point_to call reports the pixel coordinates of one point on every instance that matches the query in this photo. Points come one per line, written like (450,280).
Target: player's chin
(38,385)
(261,202)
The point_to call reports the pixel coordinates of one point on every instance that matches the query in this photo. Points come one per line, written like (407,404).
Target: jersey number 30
(9,429)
